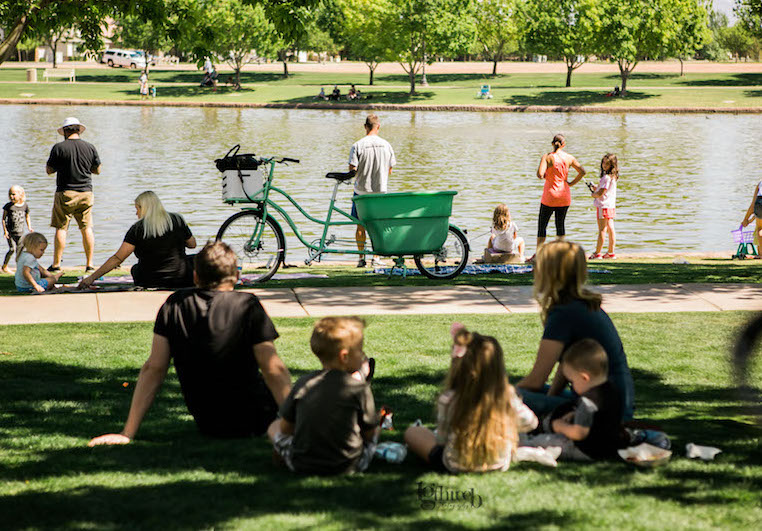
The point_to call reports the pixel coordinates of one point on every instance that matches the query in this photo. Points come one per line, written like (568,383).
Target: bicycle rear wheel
(258,261)
(449,261)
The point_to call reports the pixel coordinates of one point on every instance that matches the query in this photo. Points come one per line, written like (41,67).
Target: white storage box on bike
(241,177)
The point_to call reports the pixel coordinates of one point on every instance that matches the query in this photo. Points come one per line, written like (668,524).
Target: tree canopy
(565,28)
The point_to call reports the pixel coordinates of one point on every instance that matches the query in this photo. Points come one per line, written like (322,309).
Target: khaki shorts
(71,203)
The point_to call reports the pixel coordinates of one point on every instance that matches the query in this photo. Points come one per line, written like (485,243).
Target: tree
(420,30)
(20,17)
(693,32)
(564,28)
(232,31)
(737,40)
(148,36)
(632,30)
(363,30)
(497,29)
(291,19)
(749,14)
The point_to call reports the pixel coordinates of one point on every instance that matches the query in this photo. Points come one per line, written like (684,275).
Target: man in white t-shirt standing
(373,159)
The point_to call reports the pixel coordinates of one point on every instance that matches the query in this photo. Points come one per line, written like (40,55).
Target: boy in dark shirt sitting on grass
(328,422)
(590,428)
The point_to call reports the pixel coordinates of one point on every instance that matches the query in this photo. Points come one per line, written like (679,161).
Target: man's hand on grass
(109,439)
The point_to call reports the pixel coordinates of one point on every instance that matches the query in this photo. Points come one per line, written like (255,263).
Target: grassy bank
(62,384)
(646,90)
(622,271)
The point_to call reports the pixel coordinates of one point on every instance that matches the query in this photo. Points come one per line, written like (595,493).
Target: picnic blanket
(475,269)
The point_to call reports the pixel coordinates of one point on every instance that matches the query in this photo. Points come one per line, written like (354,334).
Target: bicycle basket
(743,236)
(233,161)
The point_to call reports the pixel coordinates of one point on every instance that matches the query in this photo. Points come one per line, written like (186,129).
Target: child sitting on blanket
(504,236)
(589,428)
(31,277)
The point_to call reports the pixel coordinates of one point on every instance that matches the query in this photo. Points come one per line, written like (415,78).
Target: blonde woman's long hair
(560,275)
(482,418)
(156,220)
(30,241)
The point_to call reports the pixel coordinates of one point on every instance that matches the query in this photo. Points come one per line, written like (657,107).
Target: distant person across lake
(158,239)
(556,194)
(73,161)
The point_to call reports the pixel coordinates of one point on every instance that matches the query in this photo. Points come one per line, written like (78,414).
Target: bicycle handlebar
(287,159)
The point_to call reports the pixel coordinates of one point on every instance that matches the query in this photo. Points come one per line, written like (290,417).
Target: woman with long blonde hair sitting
(158,239)
(570,312)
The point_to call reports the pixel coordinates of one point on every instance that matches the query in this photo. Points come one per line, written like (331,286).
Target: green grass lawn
(622,271)
(646,90)
(62,384)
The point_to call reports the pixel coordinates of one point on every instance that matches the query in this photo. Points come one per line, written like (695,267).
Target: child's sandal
(609,256)
(595,256)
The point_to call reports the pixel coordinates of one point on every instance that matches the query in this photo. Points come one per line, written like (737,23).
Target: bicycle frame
(265,204)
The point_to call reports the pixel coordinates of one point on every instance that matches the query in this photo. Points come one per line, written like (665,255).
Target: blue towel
(475,269)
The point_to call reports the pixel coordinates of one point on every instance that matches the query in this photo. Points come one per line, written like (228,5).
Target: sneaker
(377,262)
(595,256)
(609,256)
(361,262)
(54,269)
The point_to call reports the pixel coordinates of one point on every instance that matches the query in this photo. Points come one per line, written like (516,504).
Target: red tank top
(556,192)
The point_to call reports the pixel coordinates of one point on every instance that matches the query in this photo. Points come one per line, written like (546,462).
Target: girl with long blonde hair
(570,312)
(158,239)
(479,414)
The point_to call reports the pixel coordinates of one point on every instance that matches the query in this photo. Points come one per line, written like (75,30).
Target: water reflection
(686,179)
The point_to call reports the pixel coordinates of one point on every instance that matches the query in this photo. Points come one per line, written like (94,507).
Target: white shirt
(373,157)
(608,199)
(503,239)
(26,259)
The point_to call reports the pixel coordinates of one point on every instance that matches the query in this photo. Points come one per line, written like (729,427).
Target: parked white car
(125,58)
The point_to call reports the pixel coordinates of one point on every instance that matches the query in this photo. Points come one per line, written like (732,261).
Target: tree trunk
(12,38)
(238,77)
(411,75)
(494,67)
(372,71)
(682,71)
(53,45)
(569,70)
(624,75)
(285,67)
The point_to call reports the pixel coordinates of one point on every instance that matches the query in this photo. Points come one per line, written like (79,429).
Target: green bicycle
(399,224)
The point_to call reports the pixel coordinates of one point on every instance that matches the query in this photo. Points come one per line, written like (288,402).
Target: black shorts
(758,207)
(436,459)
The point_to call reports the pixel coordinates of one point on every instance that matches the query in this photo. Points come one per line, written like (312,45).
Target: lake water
(686,180)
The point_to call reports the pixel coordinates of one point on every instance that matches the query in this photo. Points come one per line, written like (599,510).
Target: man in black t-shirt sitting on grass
(220,340)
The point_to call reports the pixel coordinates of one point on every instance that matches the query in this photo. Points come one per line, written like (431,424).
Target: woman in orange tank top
(556,195)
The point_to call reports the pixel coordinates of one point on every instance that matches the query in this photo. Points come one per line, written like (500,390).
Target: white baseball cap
(69,122)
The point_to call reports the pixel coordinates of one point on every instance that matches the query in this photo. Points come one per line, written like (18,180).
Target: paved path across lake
(318,302)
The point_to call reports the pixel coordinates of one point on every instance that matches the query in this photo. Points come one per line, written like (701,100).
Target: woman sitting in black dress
(158,239)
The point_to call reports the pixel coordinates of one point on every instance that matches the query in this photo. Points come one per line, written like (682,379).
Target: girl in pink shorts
(604,199)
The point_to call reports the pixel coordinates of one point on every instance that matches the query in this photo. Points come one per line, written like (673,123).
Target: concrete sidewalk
(318,302)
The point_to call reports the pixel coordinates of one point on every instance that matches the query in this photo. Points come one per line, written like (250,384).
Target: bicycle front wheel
(449,261)
(258,259)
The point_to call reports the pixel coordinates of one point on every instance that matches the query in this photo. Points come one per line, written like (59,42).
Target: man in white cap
(73,161)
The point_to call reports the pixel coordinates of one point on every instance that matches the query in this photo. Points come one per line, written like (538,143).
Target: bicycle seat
(341,177)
